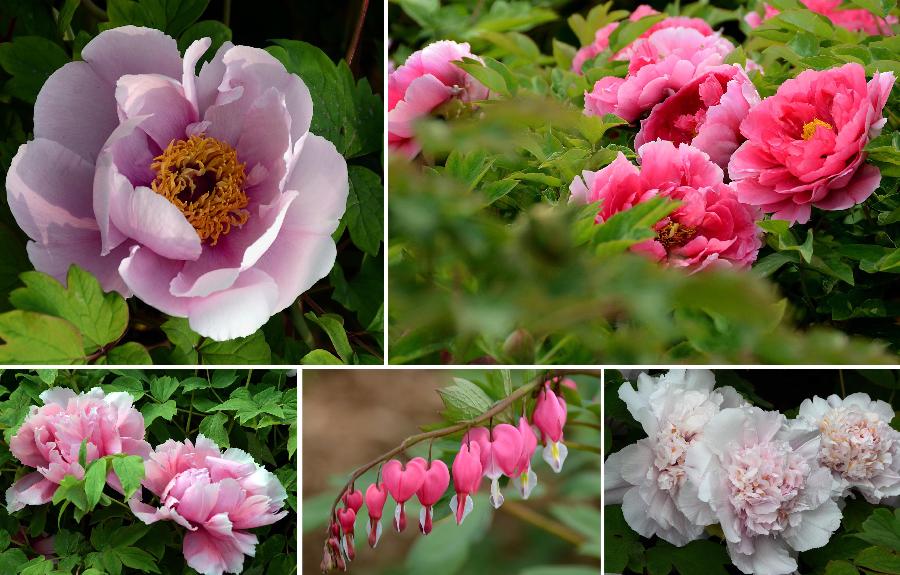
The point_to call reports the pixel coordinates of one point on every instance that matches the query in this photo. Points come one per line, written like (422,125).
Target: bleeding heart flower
(550,417)
(347,518)
(467,472)
(437,478)
(375,498)
(524,478)
(353,499)
(402,483)
(501,448)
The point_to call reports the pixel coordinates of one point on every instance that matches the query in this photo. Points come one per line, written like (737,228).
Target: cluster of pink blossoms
(502,450)
(853,19)
(773,485)
(217,496)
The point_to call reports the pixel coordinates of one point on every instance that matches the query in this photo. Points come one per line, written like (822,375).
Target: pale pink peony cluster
(217,496)
(50,440)
(203,194)
(774,486)
(428,79)
(710,227)
(805,144)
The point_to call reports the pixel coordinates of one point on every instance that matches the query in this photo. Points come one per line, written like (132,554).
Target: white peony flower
(649,477)
(766,487)
(858,443)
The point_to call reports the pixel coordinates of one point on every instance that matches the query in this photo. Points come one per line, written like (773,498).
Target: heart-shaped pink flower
(467,473)
(376,495)
(550,417)
(353,498)
(524,478)
(437,478)
(402,483)
(501,448)
(347,518)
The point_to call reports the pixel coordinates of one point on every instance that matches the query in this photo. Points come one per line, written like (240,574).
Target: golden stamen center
(204,179)
(809,128)
(674,235)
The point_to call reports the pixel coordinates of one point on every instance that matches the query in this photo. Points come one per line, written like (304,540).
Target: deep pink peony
(660,65)
(50,440)
(805,144)
(710,227)
(203,195)
(853,19)
(705,113)
(216,496)
(426,80)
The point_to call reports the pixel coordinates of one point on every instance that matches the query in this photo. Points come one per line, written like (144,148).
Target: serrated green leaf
(213,427)
(151,411)
(251,350)
(162,388)
(365,210)
(130,471)
(464,400)
(37,338)
(94,482)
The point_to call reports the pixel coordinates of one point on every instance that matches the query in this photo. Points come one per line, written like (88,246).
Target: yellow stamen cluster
(204,179)
(674,235)
(809,128)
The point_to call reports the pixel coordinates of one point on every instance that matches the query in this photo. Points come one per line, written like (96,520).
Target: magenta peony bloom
(805,144)
(216,496)
(660,65)
(705,113)
(203,195)
(426,80)
(50,440)
(710,227)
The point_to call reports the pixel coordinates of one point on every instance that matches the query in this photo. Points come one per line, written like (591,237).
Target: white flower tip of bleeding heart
(398,512)
(555,453)
(373,541)
(525,482)
(496,495)
(461,514)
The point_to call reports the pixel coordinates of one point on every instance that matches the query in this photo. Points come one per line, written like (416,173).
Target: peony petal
(237,311)
(189,71)
(319,173)
(148,275)
(32,489)
(162,100)
(133,50)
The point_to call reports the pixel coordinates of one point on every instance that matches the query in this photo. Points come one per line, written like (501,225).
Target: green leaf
(559,570)
(130,471)
(137,559)
(180,334)
(151,411)
(840,568)
(94,482)
(65,16)
(347,112)
(71,489)
(464,400)
(162,388)
(628,32)
(100,317)
(218,32)
(878,7)
(492,79)
(36,338)
(48,376)
(320,357)
(882,528)
(213,427)
(333,325)
(11,560)
(581,518)
(37,566)
(785,240)
(627,228)
(30,60)
(365,210)
(879,560)
(130,353)
(250,350)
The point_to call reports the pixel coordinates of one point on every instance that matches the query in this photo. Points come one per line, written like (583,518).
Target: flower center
(809,128)
(204,179)
(765,482)
(855,444)
(671,449)
(674,235)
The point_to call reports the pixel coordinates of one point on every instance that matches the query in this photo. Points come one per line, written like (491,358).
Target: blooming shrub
(718,476)
(208,182)
(480,458)
(544,223)
(135,472)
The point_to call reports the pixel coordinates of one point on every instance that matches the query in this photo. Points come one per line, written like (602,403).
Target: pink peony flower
(501,448)
(710,227)
(805,144)
(660,65)
(216,496)
(858,444)
(203,195)
(376,496)
(766,488)
(467,473)
(50,438)
(649,478)
(705,113)
(426,80)
(853,19)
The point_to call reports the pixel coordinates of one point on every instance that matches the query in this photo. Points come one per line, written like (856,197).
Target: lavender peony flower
(766,487)
(649,478)
(51,436)
(203,195)
(216,496)
(858,444)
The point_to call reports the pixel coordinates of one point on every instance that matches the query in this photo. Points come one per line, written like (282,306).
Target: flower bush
(704,182)
(719,480)
(220,188)
(132,472)
(481,460)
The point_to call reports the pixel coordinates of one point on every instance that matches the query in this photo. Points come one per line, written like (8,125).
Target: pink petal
(55,259)
(32,489)
(132,50)
(237,311)
(209,555)
(162,99)
(319,173)
(148,275)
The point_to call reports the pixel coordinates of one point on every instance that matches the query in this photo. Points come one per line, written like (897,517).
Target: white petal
(496,495)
